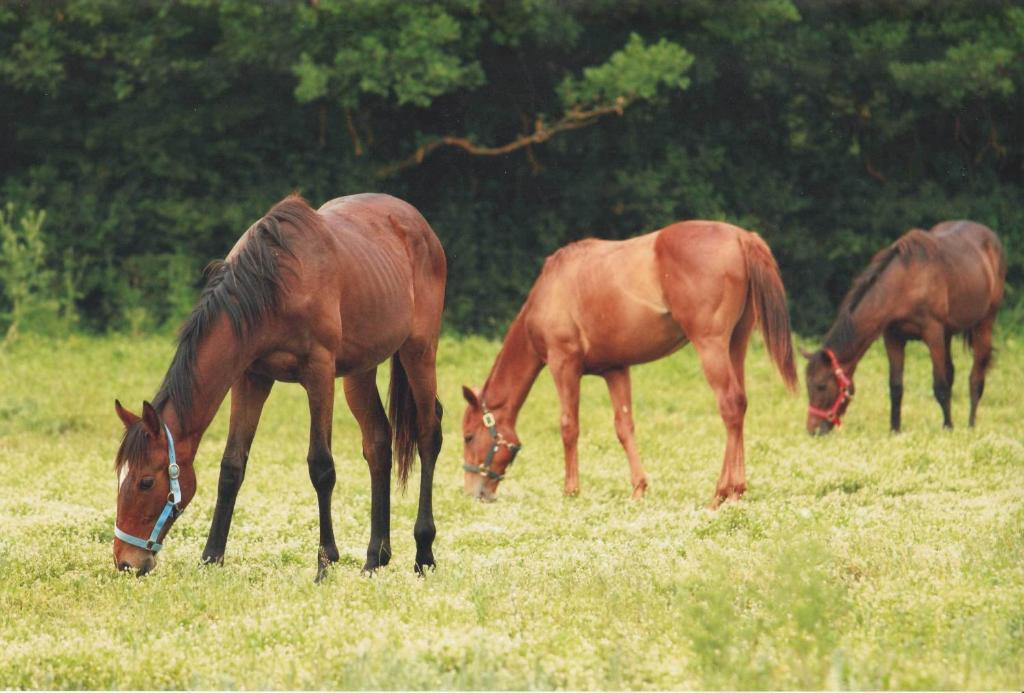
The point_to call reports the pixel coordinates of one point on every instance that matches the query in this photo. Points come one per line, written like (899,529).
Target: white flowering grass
(862,560)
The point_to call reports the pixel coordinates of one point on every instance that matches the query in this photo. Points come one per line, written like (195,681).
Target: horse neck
(514,372)
(865,323)
(219,362)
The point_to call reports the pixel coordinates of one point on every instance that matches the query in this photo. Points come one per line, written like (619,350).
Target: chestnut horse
(304,296)
(599,307)
(928,285)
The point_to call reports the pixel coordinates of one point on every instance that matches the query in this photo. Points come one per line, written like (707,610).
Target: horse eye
(821,387)
(146,483)
(468,438)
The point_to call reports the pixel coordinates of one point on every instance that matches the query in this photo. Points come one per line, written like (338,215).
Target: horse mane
(916,242)
(246,288)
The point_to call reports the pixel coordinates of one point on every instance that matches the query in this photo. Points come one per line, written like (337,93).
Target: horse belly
(372,330)
(639,336)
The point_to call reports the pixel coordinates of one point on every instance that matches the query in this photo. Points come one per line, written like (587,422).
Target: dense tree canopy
(154,133)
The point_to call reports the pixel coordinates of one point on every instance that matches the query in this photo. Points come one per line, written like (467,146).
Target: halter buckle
(173,470)
(489,419)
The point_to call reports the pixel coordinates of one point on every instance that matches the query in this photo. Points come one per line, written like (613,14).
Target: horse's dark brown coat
(304,296)
(927,285)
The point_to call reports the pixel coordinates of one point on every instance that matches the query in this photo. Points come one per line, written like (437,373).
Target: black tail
(402,412)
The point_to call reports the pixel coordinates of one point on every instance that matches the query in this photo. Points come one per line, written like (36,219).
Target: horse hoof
(572,492)
(421,566)
(212,560)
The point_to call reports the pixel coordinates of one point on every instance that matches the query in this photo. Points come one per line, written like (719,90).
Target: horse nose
(147,565)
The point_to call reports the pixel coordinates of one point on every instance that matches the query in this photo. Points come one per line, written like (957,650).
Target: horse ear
(127,418)
(806,354)
(151,420)
(471,396)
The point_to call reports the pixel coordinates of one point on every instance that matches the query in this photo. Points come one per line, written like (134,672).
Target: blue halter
(170,511)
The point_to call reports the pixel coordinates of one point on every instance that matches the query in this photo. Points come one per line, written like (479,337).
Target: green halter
(485,470)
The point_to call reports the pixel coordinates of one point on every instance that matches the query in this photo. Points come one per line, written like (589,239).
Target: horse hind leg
(719,358)
(247,398)
(980,339)
(419,363)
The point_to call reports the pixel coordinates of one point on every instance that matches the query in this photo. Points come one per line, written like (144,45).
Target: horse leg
(732,406)
(894,349)
(566,371)
(317,377)
(419,364)
(622,402)
(247,398)
(981,345)
(942,377)
(364,400)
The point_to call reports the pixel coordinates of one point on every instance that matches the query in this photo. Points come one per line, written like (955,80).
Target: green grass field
(863,560)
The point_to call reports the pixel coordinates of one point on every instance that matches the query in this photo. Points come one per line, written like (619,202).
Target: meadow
(860,560)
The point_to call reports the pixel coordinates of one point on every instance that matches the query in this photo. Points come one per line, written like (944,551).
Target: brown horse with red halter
(304,296)
(928,285)
(599,307)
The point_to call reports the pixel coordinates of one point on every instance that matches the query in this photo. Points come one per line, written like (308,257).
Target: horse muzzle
(480,488)
(134,561)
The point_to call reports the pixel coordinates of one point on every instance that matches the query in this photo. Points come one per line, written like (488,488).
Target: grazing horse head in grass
(490,447)
(155,487)
(599,307)
(829,390)
(927,285)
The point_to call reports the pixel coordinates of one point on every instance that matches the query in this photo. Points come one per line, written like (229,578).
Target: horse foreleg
(364,400)
(318,379)
(566,371)
(894,349)
(247,398)
(981,345)
(420,371)
(622,402)
(942,369)
(727,385)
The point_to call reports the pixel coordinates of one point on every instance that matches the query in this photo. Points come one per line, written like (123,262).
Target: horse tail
(769,299)
(402,412)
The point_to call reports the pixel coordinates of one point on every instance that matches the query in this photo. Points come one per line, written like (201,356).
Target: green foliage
(162,130)
(418,55)
(25,281)
(859,561)
(637,71)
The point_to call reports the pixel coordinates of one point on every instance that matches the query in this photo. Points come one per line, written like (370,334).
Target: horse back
(360,277)
(974,267)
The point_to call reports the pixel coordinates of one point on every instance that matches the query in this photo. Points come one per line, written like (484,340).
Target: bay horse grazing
(599,307)
(928,285)
(304,296)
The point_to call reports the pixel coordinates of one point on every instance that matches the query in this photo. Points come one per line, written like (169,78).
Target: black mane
(245,287)
(915,242)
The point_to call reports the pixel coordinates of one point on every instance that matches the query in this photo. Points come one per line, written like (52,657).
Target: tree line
(151,134)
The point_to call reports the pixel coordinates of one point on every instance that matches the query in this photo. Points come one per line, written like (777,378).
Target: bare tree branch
(572,120)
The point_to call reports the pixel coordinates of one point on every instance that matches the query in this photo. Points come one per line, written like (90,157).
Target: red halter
(843,396)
